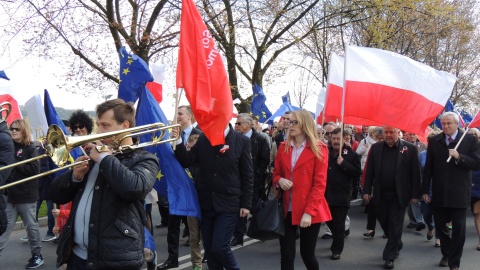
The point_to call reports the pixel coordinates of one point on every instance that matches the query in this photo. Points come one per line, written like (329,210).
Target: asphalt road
(359,253)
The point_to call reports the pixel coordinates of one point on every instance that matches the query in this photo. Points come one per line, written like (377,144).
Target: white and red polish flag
(391,89)
(320,104)
(475,121)
(333,97)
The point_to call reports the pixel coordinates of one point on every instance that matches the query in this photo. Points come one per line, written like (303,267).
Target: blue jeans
(427,212)
(217,230)
(51,219)
(415,213)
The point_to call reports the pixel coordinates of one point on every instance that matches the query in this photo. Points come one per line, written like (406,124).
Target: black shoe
(389,264)
(236,242)
(347,233)
(420,226)
(185,233)
(411,225)
(335,256)
(443,262)
(369,234)
(167,265)
(327,236)
(160,225)
(187,243)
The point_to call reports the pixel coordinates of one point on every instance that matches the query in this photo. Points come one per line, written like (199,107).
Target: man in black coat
(225,188)
(393,172)
(6,158)
(260,147)
(342,169)
(451,184)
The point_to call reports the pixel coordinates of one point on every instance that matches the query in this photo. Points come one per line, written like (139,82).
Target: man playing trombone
(105,229)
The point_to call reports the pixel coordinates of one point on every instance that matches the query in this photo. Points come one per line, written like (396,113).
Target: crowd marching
(99,212)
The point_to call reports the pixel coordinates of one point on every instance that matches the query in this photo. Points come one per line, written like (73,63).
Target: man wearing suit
(225,188)
(184,118)
(260,147)
(451,184)
(393,172)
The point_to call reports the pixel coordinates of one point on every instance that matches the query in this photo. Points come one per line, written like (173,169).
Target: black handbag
(267,221)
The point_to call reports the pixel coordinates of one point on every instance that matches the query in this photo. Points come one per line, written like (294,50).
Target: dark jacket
(407,172)
(260,147)
(6,158)
(44,181)
(452,181)
(225,183)
(26,192)
(340,177)
(116,235)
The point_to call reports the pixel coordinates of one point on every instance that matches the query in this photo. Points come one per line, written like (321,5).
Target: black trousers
(391,216)
(371,216)
(241,226)
(173,236)
(451,246)
(337,226)
(308,242)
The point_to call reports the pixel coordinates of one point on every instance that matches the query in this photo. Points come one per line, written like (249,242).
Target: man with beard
(343,167)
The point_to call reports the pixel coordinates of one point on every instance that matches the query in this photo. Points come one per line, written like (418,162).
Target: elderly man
(343,167)
(451,184)
(393,172)
(260,148)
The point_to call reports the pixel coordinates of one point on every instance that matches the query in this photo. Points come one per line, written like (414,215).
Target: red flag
(15,113)
(201,73)
(475,121)
(391,89)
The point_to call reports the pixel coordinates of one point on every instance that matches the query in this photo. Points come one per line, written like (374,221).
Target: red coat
(309,183)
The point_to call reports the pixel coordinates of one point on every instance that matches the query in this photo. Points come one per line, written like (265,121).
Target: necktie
(450,140)
(184,140)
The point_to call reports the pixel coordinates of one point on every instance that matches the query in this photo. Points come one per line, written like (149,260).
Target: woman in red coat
(301,172)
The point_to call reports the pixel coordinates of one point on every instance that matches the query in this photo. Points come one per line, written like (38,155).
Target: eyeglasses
(239,123)
(14,129)
(78,127)
(328,133)
(293,122)
(274,127)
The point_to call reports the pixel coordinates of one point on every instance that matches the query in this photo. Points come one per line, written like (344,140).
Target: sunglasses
(78,127)
(239,123)
(274,127)
(328,133)
(14,129)
(293,122)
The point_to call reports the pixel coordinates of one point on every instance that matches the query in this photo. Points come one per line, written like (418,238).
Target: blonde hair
(307,125)
(24,131)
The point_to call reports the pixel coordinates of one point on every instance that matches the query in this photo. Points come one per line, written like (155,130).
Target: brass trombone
(8,109)
(58,146)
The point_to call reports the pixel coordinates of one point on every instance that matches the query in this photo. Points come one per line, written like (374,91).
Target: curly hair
(80,117)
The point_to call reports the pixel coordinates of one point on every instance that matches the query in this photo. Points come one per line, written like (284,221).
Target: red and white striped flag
(333,98)
(387,88)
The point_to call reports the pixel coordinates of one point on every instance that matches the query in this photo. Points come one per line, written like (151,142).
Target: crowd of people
(99,216)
